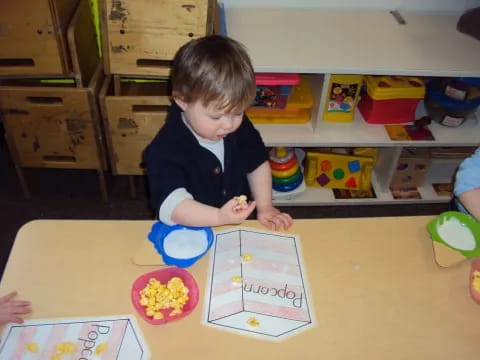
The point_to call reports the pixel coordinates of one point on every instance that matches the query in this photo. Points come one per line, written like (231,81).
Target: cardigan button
(224,192)
(217,170)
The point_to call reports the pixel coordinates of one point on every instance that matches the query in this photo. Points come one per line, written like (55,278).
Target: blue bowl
(159,233)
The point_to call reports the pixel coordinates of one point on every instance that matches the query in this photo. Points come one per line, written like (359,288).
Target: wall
(406,5)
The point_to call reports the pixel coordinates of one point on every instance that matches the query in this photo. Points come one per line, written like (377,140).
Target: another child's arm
(260,181)
(193,213)
(11,309)
(471,201)
(467,184)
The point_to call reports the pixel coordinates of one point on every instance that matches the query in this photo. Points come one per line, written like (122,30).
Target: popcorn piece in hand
(241,202)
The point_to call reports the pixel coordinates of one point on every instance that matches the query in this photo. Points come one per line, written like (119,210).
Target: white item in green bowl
(456,234)
(458,231)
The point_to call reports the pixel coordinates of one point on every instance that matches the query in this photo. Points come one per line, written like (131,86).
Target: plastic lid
(301,96)
(395,87)
(469,81)
(436,94)
(277,79)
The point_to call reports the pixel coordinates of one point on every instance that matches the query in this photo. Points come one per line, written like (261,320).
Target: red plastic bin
(391,111)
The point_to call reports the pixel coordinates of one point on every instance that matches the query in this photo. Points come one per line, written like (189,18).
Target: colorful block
(338,171)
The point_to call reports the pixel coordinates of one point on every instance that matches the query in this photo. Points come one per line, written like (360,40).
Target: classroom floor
(74,194)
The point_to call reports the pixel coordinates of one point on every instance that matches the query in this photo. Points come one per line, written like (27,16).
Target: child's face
(208,122)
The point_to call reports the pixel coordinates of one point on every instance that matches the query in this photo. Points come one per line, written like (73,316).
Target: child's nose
(228,123)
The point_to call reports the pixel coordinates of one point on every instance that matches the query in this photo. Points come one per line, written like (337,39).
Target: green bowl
(466,222)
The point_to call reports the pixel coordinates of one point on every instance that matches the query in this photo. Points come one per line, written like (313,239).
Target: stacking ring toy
(285,173)
(283,166)
(289,187)
(288,180)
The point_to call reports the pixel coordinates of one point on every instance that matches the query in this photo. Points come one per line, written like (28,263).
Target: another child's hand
(273,219)
(11,309)
(234,213)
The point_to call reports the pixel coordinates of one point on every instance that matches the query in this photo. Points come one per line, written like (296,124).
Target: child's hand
(273,219)
(10,309)
(235,212)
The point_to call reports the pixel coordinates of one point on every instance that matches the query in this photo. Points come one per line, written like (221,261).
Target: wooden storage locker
(131,120)
(54,127)
(33,36)
(141,37)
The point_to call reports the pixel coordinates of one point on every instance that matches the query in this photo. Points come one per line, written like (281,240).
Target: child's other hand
(10,309)
(273,219)
(233,213)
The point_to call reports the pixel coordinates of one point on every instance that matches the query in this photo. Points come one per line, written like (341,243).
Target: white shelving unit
(320,42)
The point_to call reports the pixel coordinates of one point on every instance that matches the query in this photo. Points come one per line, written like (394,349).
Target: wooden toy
(338,171)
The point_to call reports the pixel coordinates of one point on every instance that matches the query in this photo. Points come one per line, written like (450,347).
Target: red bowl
(164,275)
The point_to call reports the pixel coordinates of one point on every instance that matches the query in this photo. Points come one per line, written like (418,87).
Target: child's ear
(179,99)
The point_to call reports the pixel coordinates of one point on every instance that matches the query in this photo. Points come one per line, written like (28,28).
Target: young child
(208,153)
(467,185)
(11,309)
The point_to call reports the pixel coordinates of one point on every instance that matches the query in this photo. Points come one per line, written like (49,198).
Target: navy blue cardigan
(175,159)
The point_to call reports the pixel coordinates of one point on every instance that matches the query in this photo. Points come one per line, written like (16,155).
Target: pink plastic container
(164,275)
(277,79)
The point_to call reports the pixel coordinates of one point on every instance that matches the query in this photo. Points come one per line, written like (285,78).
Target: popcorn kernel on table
(66,347)
(253,321)
(69,347)
(100,348)
(31,346)
(237,279)
(247,257)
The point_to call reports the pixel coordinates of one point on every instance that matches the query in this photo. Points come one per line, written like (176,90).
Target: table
(377,291)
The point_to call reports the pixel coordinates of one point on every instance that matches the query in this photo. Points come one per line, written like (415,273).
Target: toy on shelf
(290,105)
(273,90)
(391,99)
(452,102)
(338,171)
(287,176)
(343,92)
(412,168)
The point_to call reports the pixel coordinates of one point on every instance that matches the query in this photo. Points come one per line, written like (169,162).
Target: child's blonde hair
(215,70)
